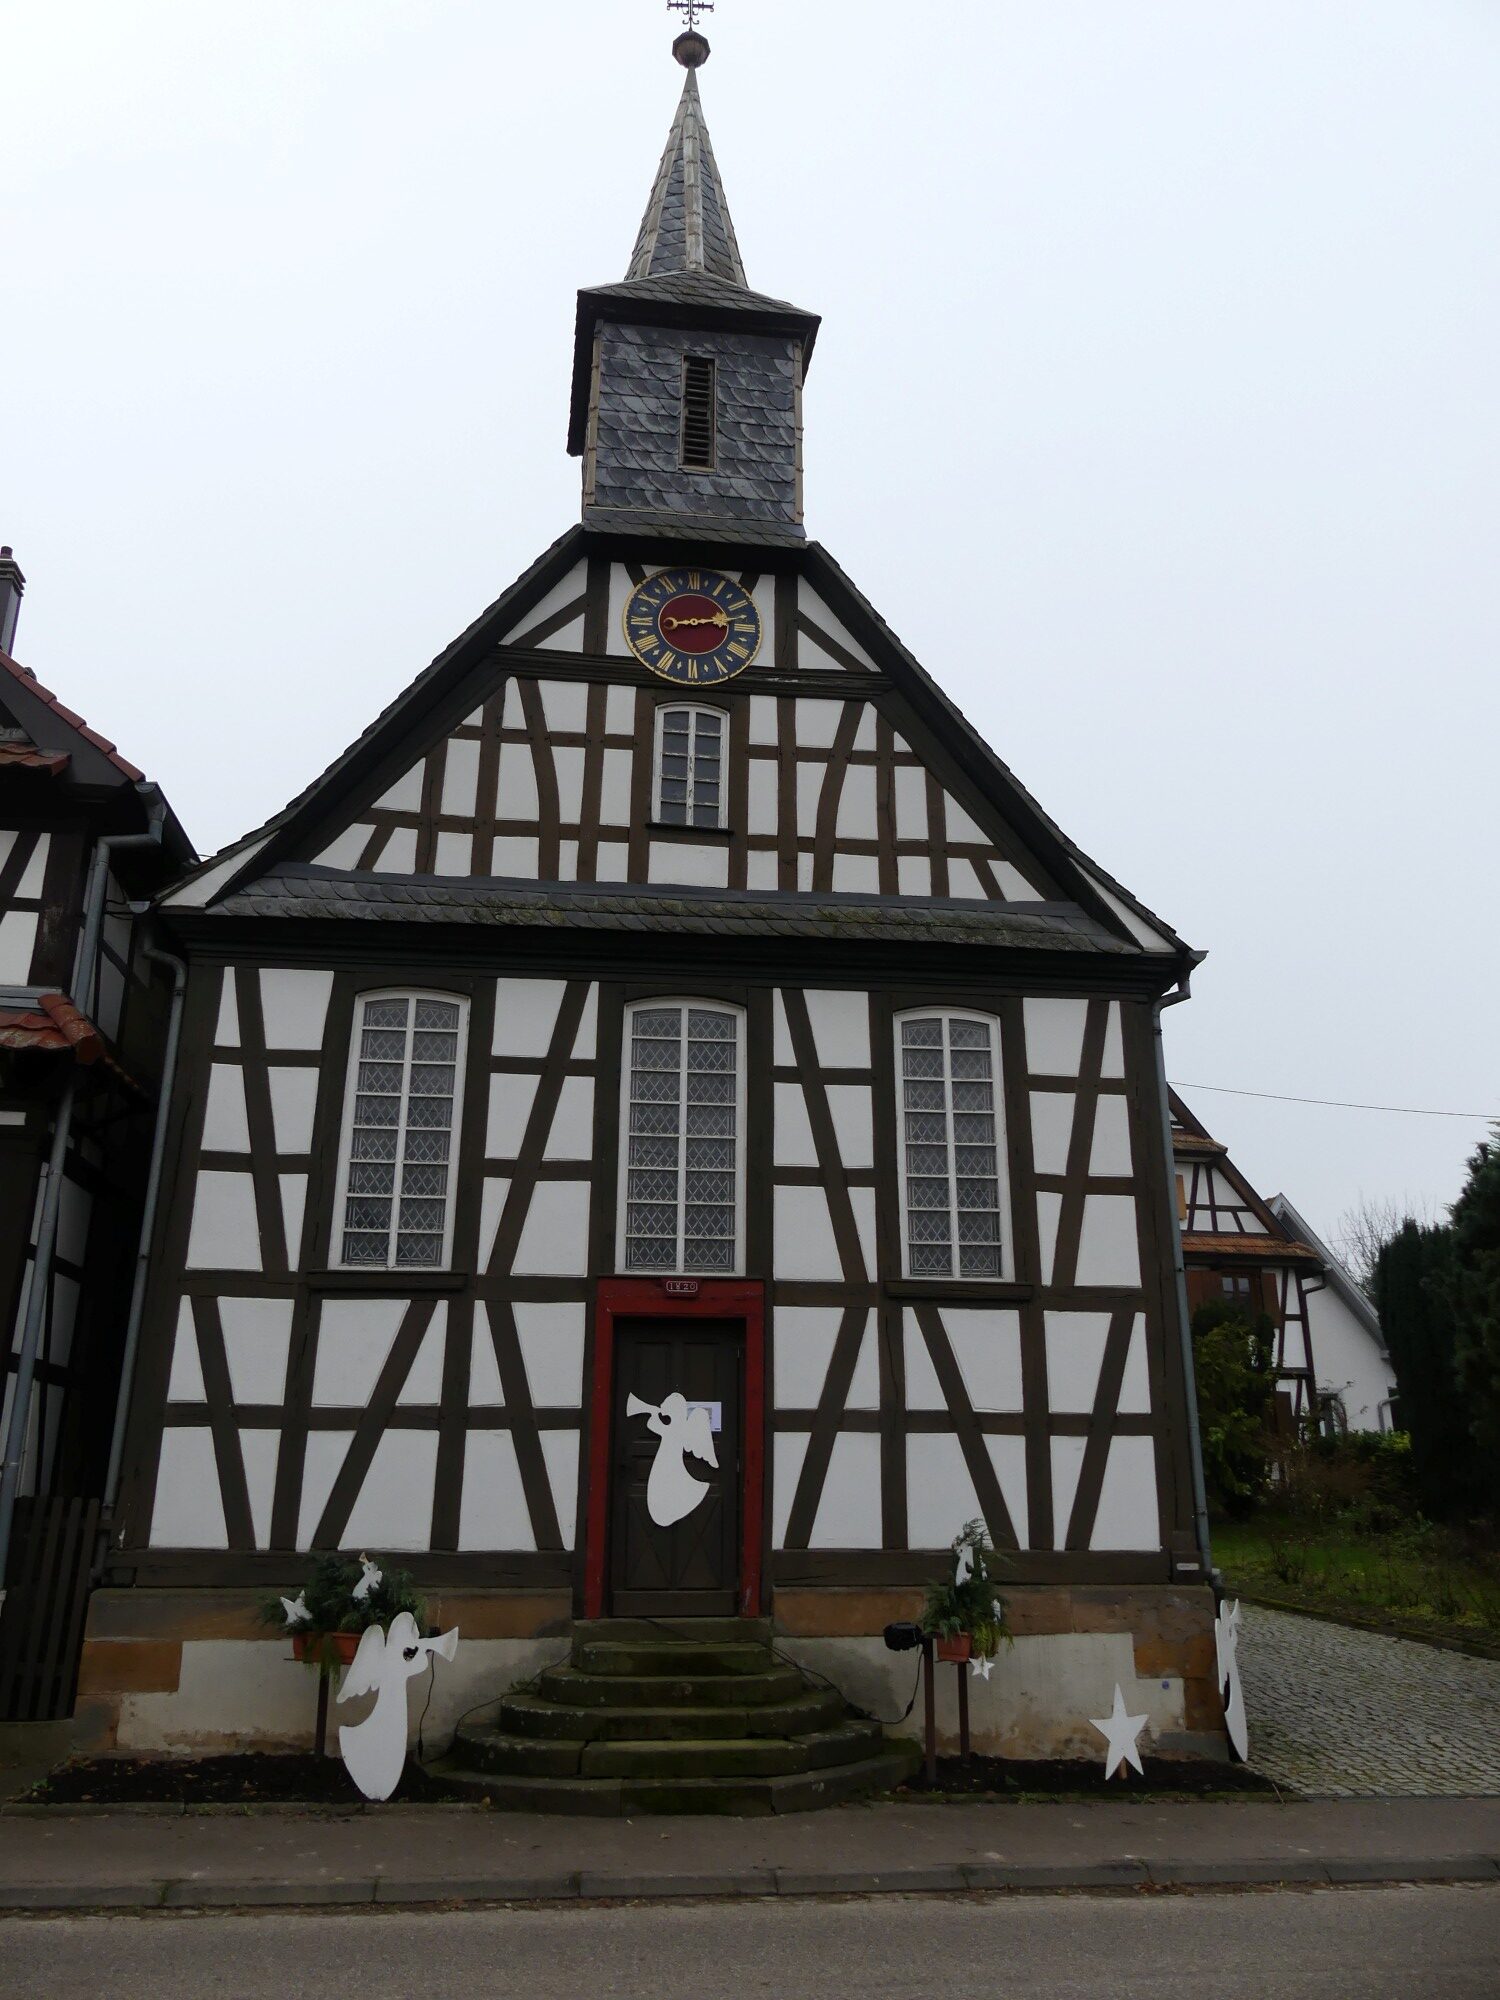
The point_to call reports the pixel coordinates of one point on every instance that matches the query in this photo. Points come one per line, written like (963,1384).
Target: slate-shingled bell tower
(684,299)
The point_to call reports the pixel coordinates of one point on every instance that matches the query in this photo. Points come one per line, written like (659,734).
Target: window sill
(674,830)
(986,1291)
(389,1282)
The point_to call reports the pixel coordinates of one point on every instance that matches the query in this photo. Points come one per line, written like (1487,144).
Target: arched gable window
(952,1154)
(401,1112)
(691,746)
(682,1142)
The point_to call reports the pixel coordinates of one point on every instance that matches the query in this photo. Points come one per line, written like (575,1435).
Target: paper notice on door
(715,1414)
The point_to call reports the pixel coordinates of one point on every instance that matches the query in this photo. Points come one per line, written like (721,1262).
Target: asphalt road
(1350,1944)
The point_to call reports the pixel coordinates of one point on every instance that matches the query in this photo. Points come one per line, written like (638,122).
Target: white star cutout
(982,1665)
(1121,1731)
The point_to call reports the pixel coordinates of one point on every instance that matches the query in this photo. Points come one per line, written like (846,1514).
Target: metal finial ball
(691,49)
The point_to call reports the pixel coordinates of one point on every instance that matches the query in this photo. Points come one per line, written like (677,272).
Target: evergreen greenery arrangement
(327,1603)
(966,1603)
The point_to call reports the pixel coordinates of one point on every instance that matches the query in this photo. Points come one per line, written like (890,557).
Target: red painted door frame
(648,1298)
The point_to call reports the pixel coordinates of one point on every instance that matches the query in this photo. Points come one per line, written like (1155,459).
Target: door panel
(688,1566)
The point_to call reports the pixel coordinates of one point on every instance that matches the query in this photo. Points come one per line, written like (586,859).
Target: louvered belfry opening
(698,413)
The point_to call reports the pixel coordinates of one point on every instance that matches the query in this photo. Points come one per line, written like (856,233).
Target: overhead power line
(1339,1103)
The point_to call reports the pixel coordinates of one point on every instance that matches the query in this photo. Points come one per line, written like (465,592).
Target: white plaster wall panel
(1127,1517)
(1067,1464)
(17,943)
(1048,1215)
(394,1506)
(1054,1036)
(399,855)
(963,880)
(7,842)
(224,1235)
(34,874)
(1349,1361)
(987,1347)
(856,875)
(1145,934)
(805,1246)
(864,735)
(1113,1064)
(455,854)
(619,711)
(551,1342)
(110,999)
(572,1133)
(424,1380)
(567,861)
(817,724)
(1075,1354)
(853,1123)
(585,1042)
(555,1237)
(492,1512)
(620,588)
(761,870)
(793,1142)
(1294,1349)
(294,1098)
(763,808)
(354,1342)
(1051,1129)
(188,1512)
(405,796)
(923,1390)
(940,1495)
(687,862)
(567,762)
(763,718)
(516,783)
(485,1391)
(960,826)
(763,597)
(1110,1155)
(613,864)
(460,777)
(525,1015)
(293,1189)
(492,1199)
(295,1006)
(782,1052)
(804,1338)
(510,1107)
(227,1027)
(841,1028)
(325,1453)
(199,891)
(185,1382)
(563,593)
(565,705)
(788,1450)
(864,1383)
(862,1201)
(1108,1252)
(1135,1384)
(257,1341)
(259,1449)
(74,1207)
(911,802)
(1228,1197)
(512,715)
(812,607)
(809,791)
(804,873)
(614,786)
(1008,1456)
(848,1515)
(514,857)
(913,875)
(560,1456)
(1014,886)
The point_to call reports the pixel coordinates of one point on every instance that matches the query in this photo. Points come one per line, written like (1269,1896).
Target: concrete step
(670,1656)
(744,1796)
(710,1631)
(535,1715)
(750,1756)
(573,1687)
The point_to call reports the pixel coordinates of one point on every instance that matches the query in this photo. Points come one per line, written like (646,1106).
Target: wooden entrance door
(688,1566)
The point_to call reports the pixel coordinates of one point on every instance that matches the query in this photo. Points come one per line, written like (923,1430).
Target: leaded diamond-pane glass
(396,1187)
(952,1187)
(688,791)
(682,1155)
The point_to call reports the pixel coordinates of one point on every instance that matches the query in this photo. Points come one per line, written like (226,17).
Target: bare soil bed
(1072,1778)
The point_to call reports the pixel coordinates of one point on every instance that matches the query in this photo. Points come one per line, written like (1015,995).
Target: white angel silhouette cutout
(671,1490)
(1226,1652)
(375,1750)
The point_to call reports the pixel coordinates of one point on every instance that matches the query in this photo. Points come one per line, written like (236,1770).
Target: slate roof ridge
(28,681)
(687,225)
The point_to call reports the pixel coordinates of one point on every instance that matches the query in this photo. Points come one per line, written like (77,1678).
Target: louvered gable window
(952,1147)
(690,746)
(395,1205)
(699,413)
(683,1114)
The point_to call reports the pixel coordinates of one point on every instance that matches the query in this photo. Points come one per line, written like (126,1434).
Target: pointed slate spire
(686,226)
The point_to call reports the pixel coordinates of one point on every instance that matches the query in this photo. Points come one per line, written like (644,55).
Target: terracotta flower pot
(341,1645)
(956,1648)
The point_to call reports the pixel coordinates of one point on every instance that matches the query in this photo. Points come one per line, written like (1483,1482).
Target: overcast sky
(1155,406)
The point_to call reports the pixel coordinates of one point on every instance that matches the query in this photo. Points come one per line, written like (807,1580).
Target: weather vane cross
(690,10)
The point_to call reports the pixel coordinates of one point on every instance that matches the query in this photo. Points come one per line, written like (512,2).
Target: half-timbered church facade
(669,997)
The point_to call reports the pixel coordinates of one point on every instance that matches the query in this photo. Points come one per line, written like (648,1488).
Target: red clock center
(693,624)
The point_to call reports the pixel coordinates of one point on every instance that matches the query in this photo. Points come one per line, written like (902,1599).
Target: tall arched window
(952,1147)
(400,1138)
(682,1142)
(691,746)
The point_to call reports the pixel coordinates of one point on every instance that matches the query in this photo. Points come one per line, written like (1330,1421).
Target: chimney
(12,584)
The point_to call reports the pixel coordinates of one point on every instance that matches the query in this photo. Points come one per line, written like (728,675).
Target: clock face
(692,626)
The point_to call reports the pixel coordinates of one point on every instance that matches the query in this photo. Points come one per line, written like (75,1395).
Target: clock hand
(717,618)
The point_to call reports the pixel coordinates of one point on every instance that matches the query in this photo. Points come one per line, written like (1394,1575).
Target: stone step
(534,1715)
(495,1752)
(575,1688)
(801,1791)
(710,1631)
(670,1656)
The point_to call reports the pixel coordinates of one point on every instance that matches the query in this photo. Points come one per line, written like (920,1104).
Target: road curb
(597,1885)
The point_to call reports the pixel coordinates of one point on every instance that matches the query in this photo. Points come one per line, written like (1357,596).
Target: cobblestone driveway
(1346,1714)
